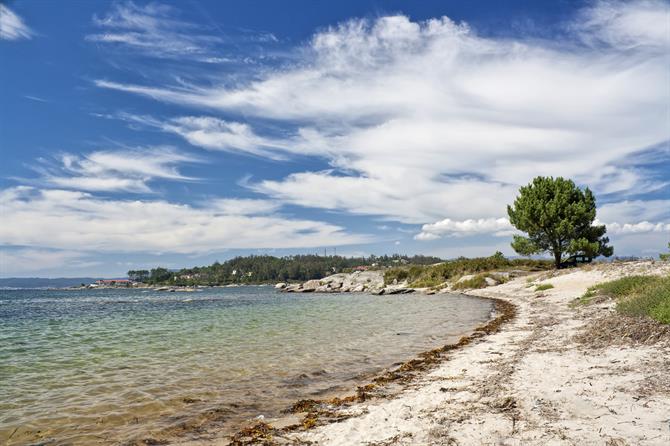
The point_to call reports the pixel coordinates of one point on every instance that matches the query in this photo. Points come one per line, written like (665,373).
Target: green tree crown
(557,217)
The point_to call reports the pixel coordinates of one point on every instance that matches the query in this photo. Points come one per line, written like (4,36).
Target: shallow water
(112,366)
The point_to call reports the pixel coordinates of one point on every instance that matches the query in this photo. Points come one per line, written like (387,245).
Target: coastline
(307,414)
(530,383)
(534,380)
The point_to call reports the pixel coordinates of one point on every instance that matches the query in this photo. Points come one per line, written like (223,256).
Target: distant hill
(39,282)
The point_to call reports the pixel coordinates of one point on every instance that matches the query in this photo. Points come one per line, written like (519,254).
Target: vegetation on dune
(636,296)
(558,217)
(665,256)
(270,269)
(478,281)
(543,287)
(430,276)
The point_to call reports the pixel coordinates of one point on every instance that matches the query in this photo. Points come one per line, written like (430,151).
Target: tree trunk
(557,258)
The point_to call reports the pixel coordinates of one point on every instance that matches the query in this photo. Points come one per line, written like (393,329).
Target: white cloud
(217,134)
(636,228)
(635,210)
(120,170)
(155,30)
(245,206)
(399,193)
(449,227)
(501,227)
(31,260)
(12,26)
(426,120)
(626,24)
(77,221)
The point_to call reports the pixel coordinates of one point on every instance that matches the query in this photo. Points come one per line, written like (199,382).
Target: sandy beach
(555,375)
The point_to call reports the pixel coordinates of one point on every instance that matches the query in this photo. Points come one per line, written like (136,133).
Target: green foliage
(270,269)
(141,275)
(558,218)
(158,275)
(544,286)
(434,275)
(395,275)
(665,256)
(478,281)
(637,296)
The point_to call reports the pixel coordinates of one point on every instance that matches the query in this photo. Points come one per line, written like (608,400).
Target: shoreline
(533,382)
(306,414)
(537,379)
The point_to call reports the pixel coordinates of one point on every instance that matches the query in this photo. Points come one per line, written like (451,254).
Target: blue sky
(139,134)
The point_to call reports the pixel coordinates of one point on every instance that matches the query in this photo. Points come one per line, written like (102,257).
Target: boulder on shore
(310,286)
(280,286)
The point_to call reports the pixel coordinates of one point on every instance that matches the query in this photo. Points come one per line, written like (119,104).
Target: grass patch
(544,286)
(478,281)
(636,296)
(426,276)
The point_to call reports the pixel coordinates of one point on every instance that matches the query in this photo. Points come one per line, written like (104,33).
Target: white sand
(528,384)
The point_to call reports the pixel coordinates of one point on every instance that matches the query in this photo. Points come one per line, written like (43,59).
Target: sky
(137,134)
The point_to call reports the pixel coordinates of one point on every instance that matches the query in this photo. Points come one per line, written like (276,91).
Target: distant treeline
(269,269)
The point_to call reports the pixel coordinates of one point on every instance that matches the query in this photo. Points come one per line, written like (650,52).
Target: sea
(119,366)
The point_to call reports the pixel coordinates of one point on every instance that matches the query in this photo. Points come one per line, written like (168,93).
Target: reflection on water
(107,366)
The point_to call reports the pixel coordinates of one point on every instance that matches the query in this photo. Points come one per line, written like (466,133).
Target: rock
(323,289)
(280,286)
(378,292)
(292,288)
(358,289)
(490,281)
(310,286)
(465,277)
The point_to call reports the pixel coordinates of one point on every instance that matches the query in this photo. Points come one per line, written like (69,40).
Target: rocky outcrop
(373,282)
(356,282)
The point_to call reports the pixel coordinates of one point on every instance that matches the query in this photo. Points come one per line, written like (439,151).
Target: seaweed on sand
(324,411)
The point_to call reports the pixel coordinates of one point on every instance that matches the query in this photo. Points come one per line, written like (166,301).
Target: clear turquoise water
(113,366)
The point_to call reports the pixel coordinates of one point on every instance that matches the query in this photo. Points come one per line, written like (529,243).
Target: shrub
(395,274)
(544,286)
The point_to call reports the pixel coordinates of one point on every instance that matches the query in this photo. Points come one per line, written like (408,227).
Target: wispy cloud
(12,26)
(78,221)
(35,98)
(244,206)
(156,30)
(216,134)
(423,121)
(114,171)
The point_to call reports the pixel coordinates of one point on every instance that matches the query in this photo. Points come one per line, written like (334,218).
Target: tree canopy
(558,218)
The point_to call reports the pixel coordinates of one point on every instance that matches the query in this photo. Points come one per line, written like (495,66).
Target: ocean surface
(81,367)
